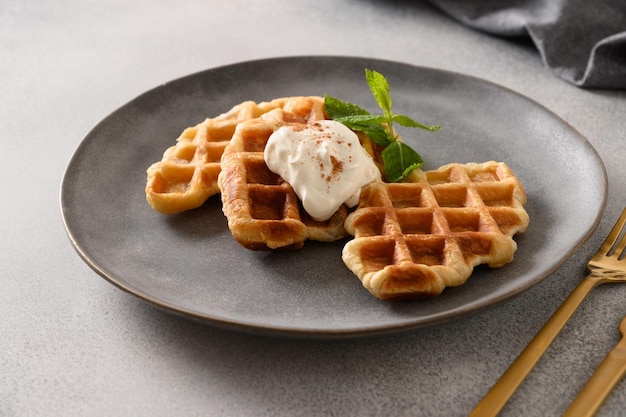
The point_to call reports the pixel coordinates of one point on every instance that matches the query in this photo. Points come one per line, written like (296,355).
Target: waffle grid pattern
(187,174)
(263,211)
(414,239)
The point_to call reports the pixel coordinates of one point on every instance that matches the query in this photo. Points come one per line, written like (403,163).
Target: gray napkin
(582,41)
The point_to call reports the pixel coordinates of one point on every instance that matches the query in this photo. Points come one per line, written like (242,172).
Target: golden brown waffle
(187,174)
(263,211)
(416,238)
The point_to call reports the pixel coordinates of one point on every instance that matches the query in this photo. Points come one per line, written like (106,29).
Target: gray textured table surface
(72,344)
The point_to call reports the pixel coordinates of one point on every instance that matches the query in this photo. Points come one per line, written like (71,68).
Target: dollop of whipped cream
(324,162)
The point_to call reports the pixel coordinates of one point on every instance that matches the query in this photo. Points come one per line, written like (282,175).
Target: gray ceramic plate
(189,264)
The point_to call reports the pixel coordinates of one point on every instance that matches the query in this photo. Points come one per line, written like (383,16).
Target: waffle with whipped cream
(187,174)
(262,209)
(414,239)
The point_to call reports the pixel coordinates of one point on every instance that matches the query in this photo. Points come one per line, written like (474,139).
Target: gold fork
(604,379)
(604,267)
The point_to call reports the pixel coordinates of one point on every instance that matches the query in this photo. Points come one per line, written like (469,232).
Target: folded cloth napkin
(582,41)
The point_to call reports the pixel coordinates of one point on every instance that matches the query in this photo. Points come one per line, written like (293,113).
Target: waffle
(414,239)
(263,211)
(187,174)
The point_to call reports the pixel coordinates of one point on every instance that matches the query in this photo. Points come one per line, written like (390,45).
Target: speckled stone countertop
(72,344)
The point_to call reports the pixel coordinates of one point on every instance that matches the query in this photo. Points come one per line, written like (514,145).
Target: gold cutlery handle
(500,393)
(604,379)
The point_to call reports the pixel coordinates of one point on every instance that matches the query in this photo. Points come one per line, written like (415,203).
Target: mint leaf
(380,89)
(357,118)
(408,122)
(399,160)
(362,119)
(375,132)
(336,108)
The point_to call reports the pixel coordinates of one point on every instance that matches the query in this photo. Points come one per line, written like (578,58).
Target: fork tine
(612,237)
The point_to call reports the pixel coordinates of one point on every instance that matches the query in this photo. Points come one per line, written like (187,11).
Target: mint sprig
(399,159)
